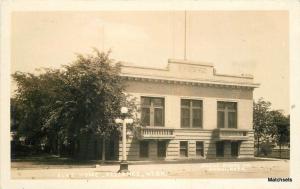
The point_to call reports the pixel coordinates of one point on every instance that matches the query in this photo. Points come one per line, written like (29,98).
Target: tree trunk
(103,150)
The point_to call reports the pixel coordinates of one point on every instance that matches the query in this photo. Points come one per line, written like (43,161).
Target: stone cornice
(204,83)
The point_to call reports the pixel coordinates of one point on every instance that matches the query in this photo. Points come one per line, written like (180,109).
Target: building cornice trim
(208,83)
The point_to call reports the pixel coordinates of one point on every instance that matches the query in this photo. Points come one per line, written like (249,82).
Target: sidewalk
(69,163)
(246,169)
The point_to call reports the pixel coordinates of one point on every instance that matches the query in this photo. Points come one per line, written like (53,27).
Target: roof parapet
(187,70)
(195,63)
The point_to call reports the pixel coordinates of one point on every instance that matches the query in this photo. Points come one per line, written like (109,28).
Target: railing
(156,133)
(232,134)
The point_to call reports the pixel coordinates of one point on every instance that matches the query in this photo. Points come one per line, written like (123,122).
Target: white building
(189,111)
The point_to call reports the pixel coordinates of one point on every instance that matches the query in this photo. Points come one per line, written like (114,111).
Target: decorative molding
(204,83)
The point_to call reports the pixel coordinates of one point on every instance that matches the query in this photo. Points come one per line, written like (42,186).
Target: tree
(270,126)
(31,104)
(262,122)
(60,105)
(281,131)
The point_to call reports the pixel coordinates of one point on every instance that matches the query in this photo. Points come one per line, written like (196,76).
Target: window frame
(191,116)
(202,149)
(226,112)
(186,149)
(152,108)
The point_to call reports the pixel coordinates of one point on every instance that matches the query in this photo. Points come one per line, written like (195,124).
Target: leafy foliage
(58,105)
(262,120)
(281,131)
(270,126)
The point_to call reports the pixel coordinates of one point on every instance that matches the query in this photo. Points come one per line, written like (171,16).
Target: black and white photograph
(148,94)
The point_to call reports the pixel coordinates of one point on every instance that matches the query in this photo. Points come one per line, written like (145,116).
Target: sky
(235,42)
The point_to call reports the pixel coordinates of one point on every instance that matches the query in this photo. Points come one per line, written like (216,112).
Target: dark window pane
(199,149)
(197,103)
(158,102)
(183,149)
(231,105)
(219,149)
(158,117)
(197,118)
(146,101)
(146,116)
(232,120)
(144,149)
(183,144)
(185,117)
(234,149)
(161,149)
(185,112)
(185,122)
(227,111)
(221,105)
(185,102)
(151,115)
(191,108)
(221,116)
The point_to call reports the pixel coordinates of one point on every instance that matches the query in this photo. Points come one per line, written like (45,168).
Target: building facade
(189,111)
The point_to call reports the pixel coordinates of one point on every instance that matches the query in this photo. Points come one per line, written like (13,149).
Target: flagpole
(184,34)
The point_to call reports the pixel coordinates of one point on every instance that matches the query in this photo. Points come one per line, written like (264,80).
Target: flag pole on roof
(184,34)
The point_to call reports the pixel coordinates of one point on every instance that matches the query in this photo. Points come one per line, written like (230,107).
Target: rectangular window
(227,114)
(183,149)
(199,149)
(220,149)
(191,113)
(144,149)
(152,111)
(161,148)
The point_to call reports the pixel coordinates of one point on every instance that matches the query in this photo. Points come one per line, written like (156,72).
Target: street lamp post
(123,163)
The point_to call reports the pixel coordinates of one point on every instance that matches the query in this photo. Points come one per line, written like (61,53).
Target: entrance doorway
(161,149)
(235,149)
(220,149)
